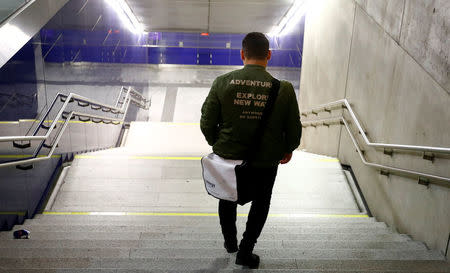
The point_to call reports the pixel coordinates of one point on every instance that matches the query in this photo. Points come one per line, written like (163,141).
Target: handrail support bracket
(22,146)
(429,156)
(365,132)
(24,167)
(388,152)
(424,182)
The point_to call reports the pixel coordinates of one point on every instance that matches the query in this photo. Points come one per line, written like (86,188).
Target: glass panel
(8,7)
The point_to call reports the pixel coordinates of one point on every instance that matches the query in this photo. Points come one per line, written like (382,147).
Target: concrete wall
(324,49)
(421,28)
(390,60)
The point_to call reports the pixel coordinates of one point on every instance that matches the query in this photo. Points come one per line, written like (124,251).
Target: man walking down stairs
(143,208)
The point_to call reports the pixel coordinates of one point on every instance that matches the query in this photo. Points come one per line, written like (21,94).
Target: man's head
(255,49)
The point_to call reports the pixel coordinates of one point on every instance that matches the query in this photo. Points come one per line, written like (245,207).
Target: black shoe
(21,234)
(245,259)
(231,248)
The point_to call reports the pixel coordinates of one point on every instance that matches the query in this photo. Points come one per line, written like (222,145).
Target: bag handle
(259,133)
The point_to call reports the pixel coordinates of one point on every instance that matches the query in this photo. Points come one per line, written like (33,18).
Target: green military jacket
(233,109)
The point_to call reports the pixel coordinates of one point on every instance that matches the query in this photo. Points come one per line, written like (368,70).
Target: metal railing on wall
(126,97)
(428,152)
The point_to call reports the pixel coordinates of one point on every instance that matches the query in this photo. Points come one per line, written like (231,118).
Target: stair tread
(222,263)
(77,270)
(211,236)
(209,229)
(201,219)
(11,243)
(339,254)
(202,224)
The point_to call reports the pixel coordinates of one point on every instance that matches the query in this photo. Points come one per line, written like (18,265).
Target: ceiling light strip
(297,9)
(126,15)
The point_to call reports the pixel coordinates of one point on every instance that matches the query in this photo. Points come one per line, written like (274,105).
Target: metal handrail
(92,102)
(420,175)
(143,103)
(68,99)
(424,178)
(345,104)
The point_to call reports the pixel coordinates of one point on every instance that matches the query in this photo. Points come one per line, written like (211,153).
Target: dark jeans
(263,179)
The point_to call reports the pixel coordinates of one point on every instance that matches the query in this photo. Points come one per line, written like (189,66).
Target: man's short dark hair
(255,46)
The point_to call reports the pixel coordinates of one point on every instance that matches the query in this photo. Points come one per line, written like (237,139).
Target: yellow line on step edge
(170,158)
(202,214)
(328,159)
(9,122)
(19,213)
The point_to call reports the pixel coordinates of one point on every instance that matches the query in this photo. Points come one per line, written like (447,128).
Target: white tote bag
(220,176)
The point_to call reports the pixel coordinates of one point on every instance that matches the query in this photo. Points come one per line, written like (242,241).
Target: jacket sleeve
(209,120)
(293,129)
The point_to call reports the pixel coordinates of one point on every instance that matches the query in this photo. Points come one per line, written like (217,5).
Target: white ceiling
(215,16)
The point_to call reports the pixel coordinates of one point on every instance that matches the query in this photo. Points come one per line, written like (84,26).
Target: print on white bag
(220,176)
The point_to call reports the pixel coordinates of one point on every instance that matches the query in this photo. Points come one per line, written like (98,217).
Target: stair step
(189,229)
(190,219)
(111,160)
(285,236)
(180,244)
(269,225)
(329,254)
(217,264)
(136,170)
(77,270)
(145,264)
(338,254)
(176,204)
(387,237)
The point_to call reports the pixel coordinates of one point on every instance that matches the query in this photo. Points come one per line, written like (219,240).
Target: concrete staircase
(96,243)
(141,209)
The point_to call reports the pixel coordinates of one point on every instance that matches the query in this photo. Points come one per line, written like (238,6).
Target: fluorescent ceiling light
(126,15)
(296,11)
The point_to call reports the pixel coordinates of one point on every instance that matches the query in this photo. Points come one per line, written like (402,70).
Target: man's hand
(286,158)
